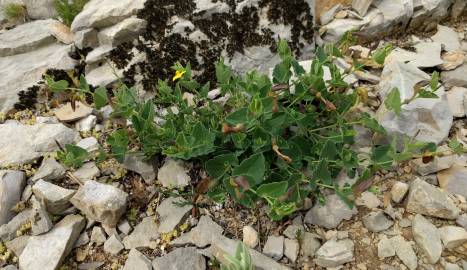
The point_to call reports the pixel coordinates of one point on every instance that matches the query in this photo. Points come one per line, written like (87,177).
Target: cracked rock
(428,238)
(330,214)
(335,253)
(171,212)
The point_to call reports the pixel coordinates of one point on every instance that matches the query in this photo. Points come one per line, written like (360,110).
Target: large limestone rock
(173,174)
(426,199)
(104,13)
(455,77)
(427,237)
(454,180)
(144,234)
(427,54)
(171,212)
(335,253)
(181,259)
(137,261)
(11,188)
(427,14)
(21,71)
(40,9)
(448,37)
(22,143)
(331,213)
(423,119)
(55,198)
(26,37)
(100,202)
(47,251)
(124,31)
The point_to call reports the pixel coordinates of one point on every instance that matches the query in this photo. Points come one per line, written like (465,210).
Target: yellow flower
(178,74)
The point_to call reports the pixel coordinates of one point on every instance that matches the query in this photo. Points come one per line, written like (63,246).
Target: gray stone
(98,54)
(87,123)
(144,234)
(86,38)
(426,199)
(454,180)
(398,191)
(328,16)
(361,6)
(291,249)
(330,214)
(456,98)
(202,235)
(41,222)
(88,171)
(18,244)
(113,245)
(89,144)
(250,236)
(40,9)
(452,60)
(103,75)
(8,231)
(9,267)
(11,188)
(180,259)
(335,253)
(83,239)
(36,140)
(453,236)
(377,221)
(124,31)
(451,266)
(448,37)
(338,27)
(104,13)
(427,120)
(171,213)
(137,261)
(40,254)
(56,199)
(26,37)
(67,113)
(49,170)
(124,227)
(385,248)
(274,247)
(428,238)
(405,252)
(395,13)
(457,8)
(310,244)
(438,164)
(100,202)
(427,54)
(136,164)
(98,235)
(294,231)
(368,199)
(173,174)
(455,77)
(462,221)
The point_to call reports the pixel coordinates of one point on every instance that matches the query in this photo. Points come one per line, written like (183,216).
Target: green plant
(240,261)
(14,11)
(72,156)
(68,9)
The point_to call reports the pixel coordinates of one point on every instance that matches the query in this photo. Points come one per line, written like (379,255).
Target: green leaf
(272,190)
(393,101)
(322,172)
(100,97)
(379,55)
(372,124)
(73,156)
(282,73)
(118,142)
(427,94)
(57,86)
(83,84)
(434,81)
(456,146)
(381,156)
(220,165)
(223,72)
(284,49)
(329,150)
(253,168)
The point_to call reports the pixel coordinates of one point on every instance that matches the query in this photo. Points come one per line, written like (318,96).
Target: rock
(180,259)
(222,246)
(456,98)
(457,8)
(87,123)
(86,38)
(330,214)
(97,55)
(328,16)
(26,37)
(405,252)
(89,144)
(462,221)
(124,31)
(250,237)
(451,266)
(40,9)
(377,221)
(49,170)
(62,33)
(361,6)
(427,14)
(453,236)
(136,164)
(452,60)
(454,180)
(137,261)
(40,220)
(310,244)
(427,54)
(40,254)
(113,245)
(11,188)
(56,199)
(36,140)
(385,248)
(124,227)
(398,191)
(104,13)
(274,247)
(87,172)
(100,202)
(21,71)
(8,231)
(67,114)
(104,75)
(202,235)
(436,165)
(448,37)
(368,199)
(335,253)
(294,231)
(83,239)
(338,27)
(426,199)
(98,235)
(455,77)
(18,244)
(427,237)
(428,120)
(173,174)
(171,213)
(291,249)
(144,234)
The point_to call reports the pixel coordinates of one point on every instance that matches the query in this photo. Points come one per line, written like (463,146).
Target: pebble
(453,236)
(291,249)
(377,221)
(98,235)
(274,247)
(428,238)
(137,261)
(113,245)
(398,191)
(250,236)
